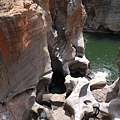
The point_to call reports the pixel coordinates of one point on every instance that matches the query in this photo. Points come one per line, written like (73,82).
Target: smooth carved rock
(98,82)
(111,109)
(68,20)
(38,112)
(81,99)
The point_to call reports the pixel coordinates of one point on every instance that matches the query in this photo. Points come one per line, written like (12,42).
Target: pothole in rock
(76,70)
(57,84)
(76,74)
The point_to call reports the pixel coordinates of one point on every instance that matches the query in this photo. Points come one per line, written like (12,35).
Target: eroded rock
(24,53)
(118,61)
(103,16)
(34,33)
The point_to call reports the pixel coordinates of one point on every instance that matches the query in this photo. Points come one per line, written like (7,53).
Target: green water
(102,50)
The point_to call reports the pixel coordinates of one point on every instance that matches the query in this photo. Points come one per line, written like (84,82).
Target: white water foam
(103,72)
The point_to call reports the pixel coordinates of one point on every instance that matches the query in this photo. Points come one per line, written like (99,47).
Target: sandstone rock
(17,106)
(98,82)
(38,112)
(79,65)
(108,97)
(103,16)
(118,61)
(68,19)
(93,99)
(33,33)
(70,83)
(24,56)
(59,113)
(81,99)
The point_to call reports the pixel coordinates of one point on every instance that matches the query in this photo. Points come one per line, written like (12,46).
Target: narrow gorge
(44,72)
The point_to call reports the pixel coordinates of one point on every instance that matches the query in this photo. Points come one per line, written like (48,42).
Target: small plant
(40,10)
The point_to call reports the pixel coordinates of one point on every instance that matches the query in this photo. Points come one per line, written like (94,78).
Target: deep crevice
(57,84)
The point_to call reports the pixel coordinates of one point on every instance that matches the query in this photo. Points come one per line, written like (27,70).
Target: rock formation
(42,52)
(36,37)
(24,55)
(103,16)
(118,61)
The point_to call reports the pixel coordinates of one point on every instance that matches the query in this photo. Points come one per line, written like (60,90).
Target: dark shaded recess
(42,114)
(91,13)
(78,72)
(107,118)
(32,115)
(46,104)
(105,30)
(83,2)
(83,91)
(69,109)
(68,94)
(36,1)
(57,84)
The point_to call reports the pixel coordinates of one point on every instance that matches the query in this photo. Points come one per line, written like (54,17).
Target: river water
(102,50)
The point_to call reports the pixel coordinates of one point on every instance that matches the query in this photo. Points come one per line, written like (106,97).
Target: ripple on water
(102,50)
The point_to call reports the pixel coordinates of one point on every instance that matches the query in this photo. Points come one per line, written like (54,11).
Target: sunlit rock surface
(32,34)
(99,104)
(24,56)
(68,18)
(42,46)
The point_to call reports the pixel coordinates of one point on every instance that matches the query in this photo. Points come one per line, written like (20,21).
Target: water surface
(102,50)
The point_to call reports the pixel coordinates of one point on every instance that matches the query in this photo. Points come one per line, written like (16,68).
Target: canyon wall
(103,16)
(37,37)
(24,56)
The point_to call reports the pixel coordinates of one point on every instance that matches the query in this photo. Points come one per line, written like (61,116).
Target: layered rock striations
(42,52)
(103,16)
(24,56)
(67,21)
(32,34)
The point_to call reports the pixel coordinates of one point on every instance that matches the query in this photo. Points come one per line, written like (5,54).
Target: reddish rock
(27,29)
(24,56)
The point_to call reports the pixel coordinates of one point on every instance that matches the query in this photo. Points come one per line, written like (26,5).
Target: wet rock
(90,74)
(98,83)
(118,61)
